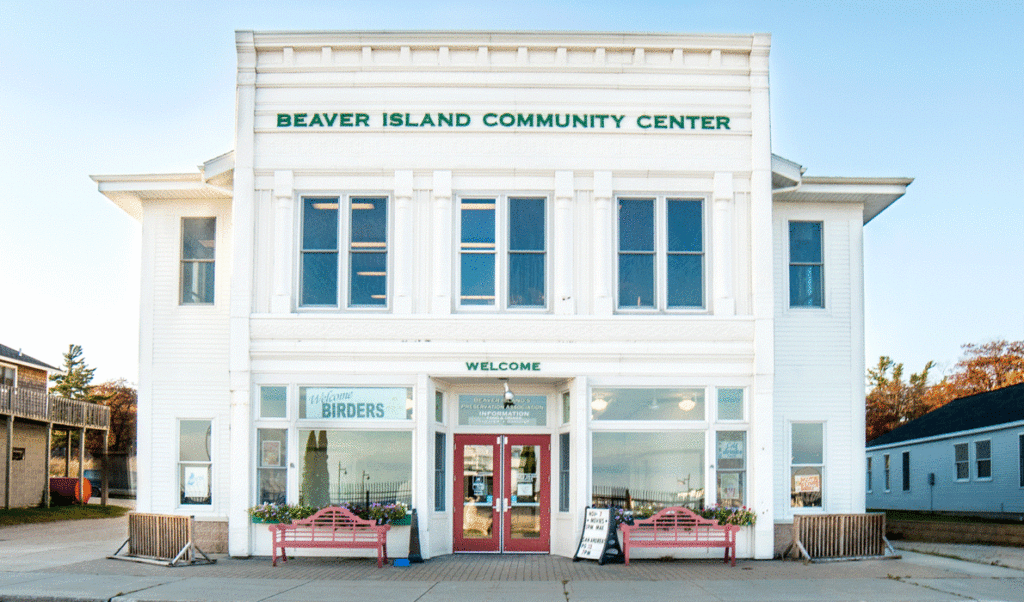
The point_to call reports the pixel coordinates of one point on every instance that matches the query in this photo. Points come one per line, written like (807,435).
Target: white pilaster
(402,243)
(423,456)
(602,250)
(284,212)
(562,245)
(239,464)
(443,244)
(721,231)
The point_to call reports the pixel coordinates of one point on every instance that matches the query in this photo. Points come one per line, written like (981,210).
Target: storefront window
(631,470)
(272,474)
(731,462)
(808,453)
(357,467)
(647,404)
(194,461)
(273,402)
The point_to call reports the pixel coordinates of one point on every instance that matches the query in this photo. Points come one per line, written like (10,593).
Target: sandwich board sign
(599,540)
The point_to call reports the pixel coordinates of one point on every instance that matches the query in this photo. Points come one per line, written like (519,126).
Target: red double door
(502,493)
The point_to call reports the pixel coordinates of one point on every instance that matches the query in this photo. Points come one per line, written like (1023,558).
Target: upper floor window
(661,253)
(198,244)
(366,245)
(805,265)
(498,269)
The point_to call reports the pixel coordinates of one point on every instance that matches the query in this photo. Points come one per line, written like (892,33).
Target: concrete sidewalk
(66,561)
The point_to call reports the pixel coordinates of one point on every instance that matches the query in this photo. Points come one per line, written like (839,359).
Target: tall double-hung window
(502,252)
(806,267)
(365,260)
(198,246)
(661,253)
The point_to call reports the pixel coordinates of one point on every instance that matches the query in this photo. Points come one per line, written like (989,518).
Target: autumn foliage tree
(891,402)
(122,399)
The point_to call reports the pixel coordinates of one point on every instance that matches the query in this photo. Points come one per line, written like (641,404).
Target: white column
(423,455)
(444,246)
(562,244)
(762,444)
(721,232)
(602,248)
(402,243)
(284,212)
(238,466)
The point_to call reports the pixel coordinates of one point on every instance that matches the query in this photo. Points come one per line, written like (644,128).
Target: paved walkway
(66,561)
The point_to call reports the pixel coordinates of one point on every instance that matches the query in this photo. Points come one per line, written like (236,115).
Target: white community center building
(501,277)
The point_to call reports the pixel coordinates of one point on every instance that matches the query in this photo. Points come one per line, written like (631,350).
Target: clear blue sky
(931,90)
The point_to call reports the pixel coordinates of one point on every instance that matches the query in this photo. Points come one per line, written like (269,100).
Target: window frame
(966,462)
(345,249)
(661,253)
(887,470)
(180,464)
(502,253)
(821,466)
(195,262)
(790,264)
(440,472)
(978,459)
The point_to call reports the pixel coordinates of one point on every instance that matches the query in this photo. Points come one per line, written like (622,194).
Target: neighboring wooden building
(30,415)
(965,457)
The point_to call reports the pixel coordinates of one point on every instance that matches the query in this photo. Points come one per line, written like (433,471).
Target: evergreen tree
(73,382)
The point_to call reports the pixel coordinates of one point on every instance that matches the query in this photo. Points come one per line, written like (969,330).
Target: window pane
(526,225)
(369,220)
(197,281)
(357,467)
(636,281)
(320,224)
(438,406)
(805,487)
(566,407)
(647,404)
(526,280)
(730,404)
(320,279)
(808,443)
(368,279)
(636,225)
(685,226)
(195,484)
(439,471)
(477,279)
(805,286)
(273,461)
(685,281)
(198,237)
(194,442)
(273,402)
(961,452)
(640,469)
(906,471)
(731,451)
(478,222)
(805,242)
(563,472)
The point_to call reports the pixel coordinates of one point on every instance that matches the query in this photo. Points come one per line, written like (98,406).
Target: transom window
(367,251)
(502,252)
(661,253)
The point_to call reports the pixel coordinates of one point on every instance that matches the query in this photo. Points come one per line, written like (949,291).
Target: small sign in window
(17,453)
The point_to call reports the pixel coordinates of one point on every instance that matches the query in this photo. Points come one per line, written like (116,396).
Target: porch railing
(40,405)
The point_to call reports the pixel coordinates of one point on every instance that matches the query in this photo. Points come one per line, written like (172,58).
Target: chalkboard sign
(599,540)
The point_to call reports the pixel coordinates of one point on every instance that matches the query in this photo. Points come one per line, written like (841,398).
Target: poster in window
(808,483)
(729,487)
(270,453)
(197,482)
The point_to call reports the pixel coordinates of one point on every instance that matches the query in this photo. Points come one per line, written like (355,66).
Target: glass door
(502,489)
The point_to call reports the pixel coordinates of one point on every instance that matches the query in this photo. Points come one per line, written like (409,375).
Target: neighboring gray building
(967,456)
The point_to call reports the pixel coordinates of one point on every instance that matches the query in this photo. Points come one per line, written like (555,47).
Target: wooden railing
(840,536)
(39,405)
(161,539)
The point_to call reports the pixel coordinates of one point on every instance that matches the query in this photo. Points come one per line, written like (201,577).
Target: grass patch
(23,516)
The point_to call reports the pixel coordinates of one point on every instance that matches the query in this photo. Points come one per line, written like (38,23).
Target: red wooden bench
(331,527)
(678,527)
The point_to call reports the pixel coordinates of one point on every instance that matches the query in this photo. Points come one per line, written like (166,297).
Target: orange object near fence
(71,488)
